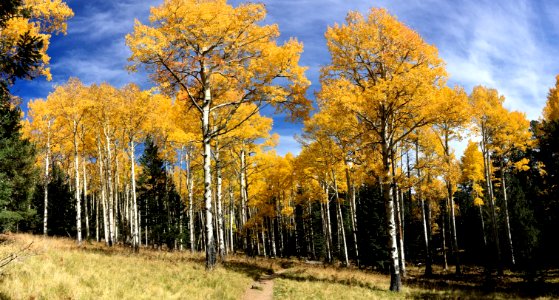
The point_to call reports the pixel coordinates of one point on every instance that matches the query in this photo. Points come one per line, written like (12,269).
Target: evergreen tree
(158,201)
(61,206)
(16,168)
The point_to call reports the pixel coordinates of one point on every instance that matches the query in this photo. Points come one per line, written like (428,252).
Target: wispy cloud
(510,45)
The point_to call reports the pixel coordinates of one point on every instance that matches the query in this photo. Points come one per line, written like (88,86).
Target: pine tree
(17,174)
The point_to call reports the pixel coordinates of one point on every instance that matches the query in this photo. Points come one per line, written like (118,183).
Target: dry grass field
(57,268)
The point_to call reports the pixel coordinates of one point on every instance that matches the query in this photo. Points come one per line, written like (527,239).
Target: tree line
(190,163)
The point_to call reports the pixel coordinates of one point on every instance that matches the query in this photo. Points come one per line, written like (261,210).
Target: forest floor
(57,268)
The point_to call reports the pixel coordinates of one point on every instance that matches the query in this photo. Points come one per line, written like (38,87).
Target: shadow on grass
(477,286)
(298,275)
(251,269)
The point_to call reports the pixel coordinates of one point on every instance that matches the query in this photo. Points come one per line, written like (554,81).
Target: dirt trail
(263,288)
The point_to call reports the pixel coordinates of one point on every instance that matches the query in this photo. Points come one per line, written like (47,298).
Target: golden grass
(327,282)
(57,268)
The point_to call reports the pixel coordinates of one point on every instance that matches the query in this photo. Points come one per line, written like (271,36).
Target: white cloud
(288,144)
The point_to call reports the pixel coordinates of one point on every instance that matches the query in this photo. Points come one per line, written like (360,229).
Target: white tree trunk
(210,243)
(190,183)
(341,220)
(507,220)
(386,182)
(219,200)
(85,200)
(103,194)
(77,190)
(111,191)
(46,184)
(352,210)
(134,215)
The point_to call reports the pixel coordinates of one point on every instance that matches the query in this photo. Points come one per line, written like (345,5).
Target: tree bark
(507,220)
(135,219)
(46,183)
(341,220)
(210,243)
(106,226)
(190,183)
(111,191)
(85,200)
(352,210)
(452,213)
(219,200)
(487,167)
(77,190)
(386,184)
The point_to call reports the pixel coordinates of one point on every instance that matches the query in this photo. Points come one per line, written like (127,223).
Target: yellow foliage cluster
(46,17)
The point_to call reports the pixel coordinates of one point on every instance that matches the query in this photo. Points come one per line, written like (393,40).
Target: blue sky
(510,45)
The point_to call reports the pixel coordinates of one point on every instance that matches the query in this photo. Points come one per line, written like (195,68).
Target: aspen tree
(205,49)
(385,74)
(453,116)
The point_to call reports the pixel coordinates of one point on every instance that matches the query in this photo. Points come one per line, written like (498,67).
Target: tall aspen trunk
(482,226)
(95,201)
(488,172)
(452,212)
(77,190)
(46,183)
(244,197)
(398,219)
(116,195)
(219,200)
(102,184)
(507,220)
(110,186)
(454,236)
(352,211)
(190,183)
(231,218)
(210,244)
(328,223)
(340,220)
(386,182)
(135,218)
(443,231)
(181,210)
(85,200)
(313,252)
(426,218)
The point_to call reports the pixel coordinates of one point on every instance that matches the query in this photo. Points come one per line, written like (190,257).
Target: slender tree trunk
(135,218)
(482,226)
(85,200)
(210,244)
(190,183)
(386,182)
(231,218)
(46,183)
(106,226)
(219,200)
(398,220)
(96,204)
(181,210)
(425,218)
(325,227)
(452,213)
(328,223)
(111,191)
(77,190)
(443,231)
(487,165)
(507,220)
(341,220)
(352,210)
